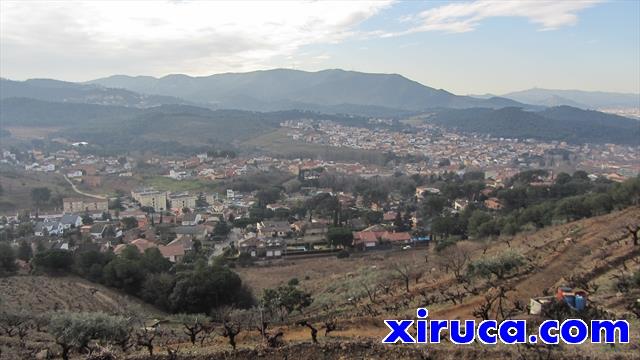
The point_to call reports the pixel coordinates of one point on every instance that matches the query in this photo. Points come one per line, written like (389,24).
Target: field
(31,133)
(17,187)
(165,183)
(41,294)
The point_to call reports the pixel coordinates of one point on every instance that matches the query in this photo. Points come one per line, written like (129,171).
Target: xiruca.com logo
(570,331)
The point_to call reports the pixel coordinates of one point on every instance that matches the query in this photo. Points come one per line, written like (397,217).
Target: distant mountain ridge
(576,98)
(284,89)
(561,123)
(62,91)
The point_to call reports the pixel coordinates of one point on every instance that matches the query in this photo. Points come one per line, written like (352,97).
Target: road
(73,186)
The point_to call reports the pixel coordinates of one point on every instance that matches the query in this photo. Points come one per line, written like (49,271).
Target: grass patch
(168,184)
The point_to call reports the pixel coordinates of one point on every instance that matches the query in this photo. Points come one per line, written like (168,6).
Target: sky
(466,47)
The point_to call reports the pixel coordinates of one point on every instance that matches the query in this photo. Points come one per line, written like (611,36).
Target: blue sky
(465,47)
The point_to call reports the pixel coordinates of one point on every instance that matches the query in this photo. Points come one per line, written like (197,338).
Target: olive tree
(79,330)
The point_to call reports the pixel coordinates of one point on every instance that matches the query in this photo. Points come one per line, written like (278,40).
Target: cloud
(467,16)
(94,38)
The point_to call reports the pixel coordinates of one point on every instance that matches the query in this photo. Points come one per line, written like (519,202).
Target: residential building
(79,205)
(182,200)
(150,198)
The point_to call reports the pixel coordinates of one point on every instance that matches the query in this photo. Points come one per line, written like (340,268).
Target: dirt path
(73,186)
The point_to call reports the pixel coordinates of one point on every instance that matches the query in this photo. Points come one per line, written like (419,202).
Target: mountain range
(589,100)
(63,91)
(122,111)
(284,89)
(577,98)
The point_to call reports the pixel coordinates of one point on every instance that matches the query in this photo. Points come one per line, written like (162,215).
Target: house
(276,206)
(274,228)
(174,253)
(396,238)
(98,231)
(198,232)
(185,241)
(251,245)
(493,203)
(140,244)
(191,219)
(389,217)
(315,233)
(48,227)
(422,191)
(460,204)
(74,174)
(262,247)
(71,221)
(366,239)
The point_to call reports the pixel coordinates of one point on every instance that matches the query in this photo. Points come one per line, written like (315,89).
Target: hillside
(41,294)
(563,123)
(62,91)
(359,292)
(576,98)
(163,128)
(282,89)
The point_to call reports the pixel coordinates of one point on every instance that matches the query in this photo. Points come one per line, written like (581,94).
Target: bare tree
(192,326)
(371,292)
(329,326)
(145,337)
(497,302)
(404,273)
(314,330)
(457,257)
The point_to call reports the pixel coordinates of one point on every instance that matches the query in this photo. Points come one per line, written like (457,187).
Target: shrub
(53,261)
(499,266)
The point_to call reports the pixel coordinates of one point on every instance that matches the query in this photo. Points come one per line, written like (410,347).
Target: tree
(285,299)
(206,288)
(572,208)
(313,329)
(404,273)
(456,258)
(193,325)
(53,261)
(129,222)
(40,195)
(152,261)
(77,330)
(339,236)
(123,273)
(268,196)
(499,266)
(24,251)
(221,228)
(156,290)
(90,264)
(7,259)
(478,218)
(87,219)
(231,324)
